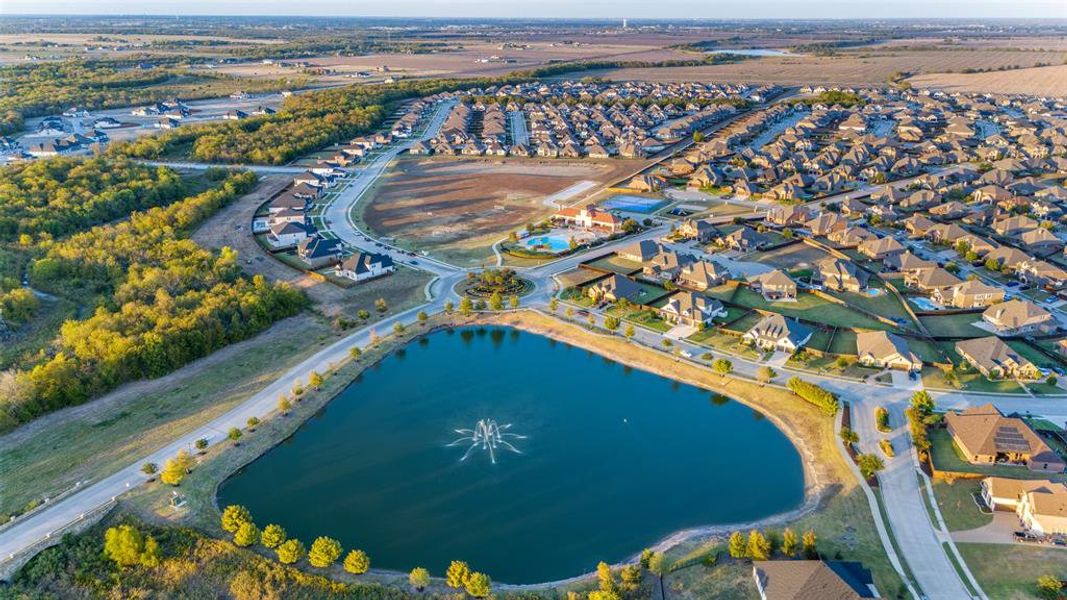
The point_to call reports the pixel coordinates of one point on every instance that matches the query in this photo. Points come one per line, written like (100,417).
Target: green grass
(37,333)
(811,308)
(1032,354)
(614,264)
(716,339)
(947,457)
(959,568)
(645,318)
(828,365)
(957,505)
(954,325)
(1010,572)
(844,342)
(885,304)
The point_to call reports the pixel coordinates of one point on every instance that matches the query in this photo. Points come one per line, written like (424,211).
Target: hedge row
(818,396)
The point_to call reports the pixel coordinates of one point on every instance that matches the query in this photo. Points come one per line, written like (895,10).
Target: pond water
(632,203)
(607,460)
(751,52)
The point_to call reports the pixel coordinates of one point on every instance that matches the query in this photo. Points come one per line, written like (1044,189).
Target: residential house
(930,279)
(666,265)
(701,275)
(984,435)
(1041,273)
(318,251)
(1044,510)
(886,350)
(972,293)
(774,285)
(365,265)
(851,237)
(614,288)
(640,252)
(286,234)
(588,217)
(906,261)
(879,249)
(744,239)
(1018,317)
(839,275)
(778,333)
(826,223)
(790,215)
(1002,493)
(996,360)
(699,230)
(812,580)
(688,308)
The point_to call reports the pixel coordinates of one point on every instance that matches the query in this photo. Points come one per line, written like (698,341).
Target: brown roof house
(776,332)
(666,265)
(699,230)
(930,279)
(640,252)
(812,580)
(996,360)
(1018,317)
(879,249)
(688,308)
(1001,493)
(774,285)
(1044,510)
(839,275)
(702,274)
(886,350)
(614,288)
(968,294)
(984,435)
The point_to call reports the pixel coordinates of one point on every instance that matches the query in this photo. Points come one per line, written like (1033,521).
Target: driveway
(778,359)
(902,381)
(998,531)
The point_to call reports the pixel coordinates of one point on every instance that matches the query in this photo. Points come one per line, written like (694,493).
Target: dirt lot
(866,67)
(458,208)
(1051,81)
(230,227)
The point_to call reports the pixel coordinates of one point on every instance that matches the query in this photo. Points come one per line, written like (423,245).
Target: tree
(465,306)
(765,374)
(150,469)
(611,323)
(631,577)
(363,314)
(496,301)
(315,380)
(808,543)
(736,546)
(814,394)
(422,316)
(233,516)
(449,307)
(1052,381)
(246,535)
(722,366)
(324,552)
(992,264)
(646,555)
(553,304)
(381,305)
(234,435)
(881,419)
(841,362)
(923,403)
(605,578)
(290,551)
(870,465)
(457,574)
(789,542)
(419,578)
(629,331)
(127,547)
(698,136)
(1049,587)
(513,301)
(759,547)
(849,436)
(201,445)
(252,423)
(273,536)
(284,404)
(175,469)
(657,565)
(357,562)
(354,353)
(478,585)
(398,328)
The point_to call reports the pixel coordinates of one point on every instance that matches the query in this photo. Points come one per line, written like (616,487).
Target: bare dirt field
(1042,81)
(230,227)
(458,208)
(867,67)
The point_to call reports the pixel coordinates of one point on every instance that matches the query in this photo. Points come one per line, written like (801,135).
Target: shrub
(814,394)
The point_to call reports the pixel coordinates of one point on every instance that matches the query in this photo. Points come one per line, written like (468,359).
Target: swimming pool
(924,303)
(554,243)
(638,204)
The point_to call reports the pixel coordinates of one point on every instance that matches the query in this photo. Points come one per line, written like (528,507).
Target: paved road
(519,133)
(199,166)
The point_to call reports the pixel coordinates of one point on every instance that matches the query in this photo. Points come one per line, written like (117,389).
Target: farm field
(457,209)
(860,67)
(1051,80)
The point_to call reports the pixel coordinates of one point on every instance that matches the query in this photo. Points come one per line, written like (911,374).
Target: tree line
(162,301)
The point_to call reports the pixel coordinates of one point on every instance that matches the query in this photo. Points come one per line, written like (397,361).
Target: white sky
(710,9)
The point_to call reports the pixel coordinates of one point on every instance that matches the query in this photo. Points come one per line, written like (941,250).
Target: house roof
(810,580)
(775,327)
(984,430)
(363,261)
(1015,313)
(990,352)
(883,346)
(1002,487)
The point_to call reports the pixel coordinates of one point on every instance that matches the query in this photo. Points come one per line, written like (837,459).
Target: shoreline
(817,477)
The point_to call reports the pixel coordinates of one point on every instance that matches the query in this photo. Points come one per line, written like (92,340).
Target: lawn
(957,505)
(811,308)
(1010,572)
(947,457)
(885,304)
(844,342)
(1033,354)
(578,277)
(954,325)
(716,339)
(614,264)
(828,365)
(645,318)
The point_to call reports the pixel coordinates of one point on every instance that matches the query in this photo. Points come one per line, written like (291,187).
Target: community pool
(629,203)
(554,243)
(924,303)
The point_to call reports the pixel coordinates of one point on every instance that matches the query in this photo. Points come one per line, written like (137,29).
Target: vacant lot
(861,67)
(457,208)
(1037,80)
(1011,572)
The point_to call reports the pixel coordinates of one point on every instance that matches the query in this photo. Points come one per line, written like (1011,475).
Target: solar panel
(1010,439)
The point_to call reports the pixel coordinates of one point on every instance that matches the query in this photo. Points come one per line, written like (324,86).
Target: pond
(751,52)
(603,460)
(631,203)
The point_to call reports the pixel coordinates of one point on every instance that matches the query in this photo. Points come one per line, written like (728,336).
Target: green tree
(284,404)
(631,578)
(870,465)
(657,564)
(246,535)
(496,301)
(881,419)
(127,546)
(513,301)
(465,306)
(233,516)
(789,542)
(765,374)
(290,551)
(736,545)
(273,536)
(355,352)
(646,555)
(398,328)
(381,305)
(175,469)
(150,469)
(1052,381)
(201,445)
(759,547)
(605,578)
(1049,587)
(419,578)
(422,316)
(457,574)
(315,380)
(357,562)
(151,555)
(449,307)
(808,543)
(722,366)
(478,585)
(252,423)
(324,552)
(611,323)
(553,304)
(234,435)
(849,436)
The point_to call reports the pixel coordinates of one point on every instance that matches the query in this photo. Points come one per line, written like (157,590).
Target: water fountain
(487,435)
